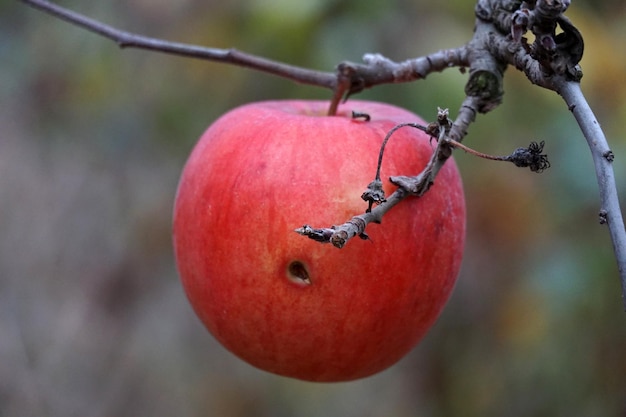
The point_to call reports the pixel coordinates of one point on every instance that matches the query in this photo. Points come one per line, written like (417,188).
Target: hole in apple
(297,272)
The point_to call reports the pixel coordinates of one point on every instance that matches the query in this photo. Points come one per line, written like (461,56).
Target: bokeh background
(93,320)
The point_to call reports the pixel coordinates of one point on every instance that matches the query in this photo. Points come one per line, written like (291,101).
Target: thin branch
(338,236)
(528,157)
(407,186)
(551,61)
(610,212)
(131,40)
(449,131)
(349,78)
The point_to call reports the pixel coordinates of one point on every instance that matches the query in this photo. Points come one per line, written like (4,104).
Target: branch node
(374,194)
(487,86)
(360,115)
(339,239)
(318,235)
(603,216)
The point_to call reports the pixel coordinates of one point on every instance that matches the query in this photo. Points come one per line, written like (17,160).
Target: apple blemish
(297,272)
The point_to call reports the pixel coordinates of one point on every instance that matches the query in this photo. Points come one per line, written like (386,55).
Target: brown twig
(232,56)
(338,236)
(407,186)
(528,157)
(349,78)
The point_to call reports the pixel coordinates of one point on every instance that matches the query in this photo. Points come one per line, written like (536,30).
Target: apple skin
(265,169)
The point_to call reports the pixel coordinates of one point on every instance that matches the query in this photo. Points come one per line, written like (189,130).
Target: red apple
(283,302)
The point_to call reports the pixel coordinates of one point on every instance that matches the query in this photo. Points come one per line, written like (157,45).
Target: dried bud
(374,194)
(530,157)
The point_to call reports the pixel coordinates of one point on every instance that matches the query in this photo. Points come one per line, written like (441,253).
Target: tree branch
(407,186)
(338,236)
(551,61)
(349,78)
(610,212)
(130,40)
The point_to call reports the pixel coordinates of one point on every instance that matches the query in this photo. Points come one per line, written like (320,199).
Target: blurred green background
(93,320)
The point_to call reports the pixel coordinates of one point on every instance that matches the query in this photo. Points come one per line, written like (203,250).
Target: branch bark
(232,56)
(349,78)
(610,212)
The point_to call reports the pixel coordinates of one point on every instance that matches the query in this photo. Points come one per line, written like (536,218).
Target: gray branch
(349,78)
(610,212)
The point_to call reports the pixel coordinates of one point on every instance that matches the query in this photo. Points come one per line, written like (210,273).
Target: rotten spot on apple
(298,273)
